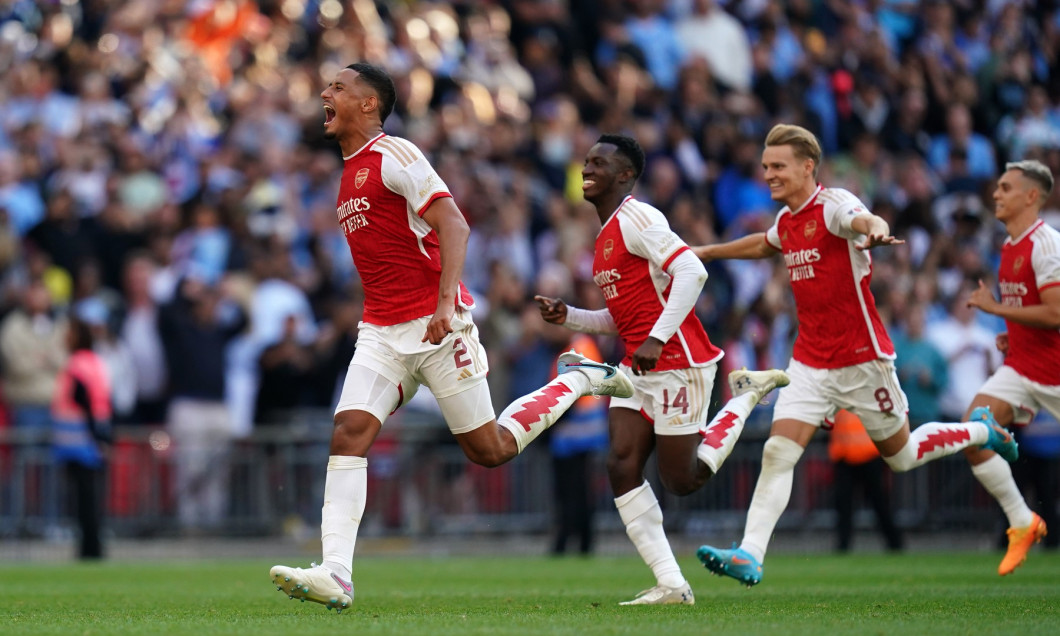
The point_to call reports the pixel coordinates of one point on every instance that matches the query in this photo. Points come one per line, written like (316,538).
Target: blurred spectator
(32,352)
(711,33)
(195,328)
(970,353)
(976,149)
(856,462)
(140,334)
(81,411)
(922,370)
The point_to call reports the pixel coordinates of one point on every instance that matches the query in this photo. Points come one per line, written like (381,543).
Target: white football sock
(995,475)
(721,434)
(640,512)
(345,495)
(532,414)
(932,440)
(772,493)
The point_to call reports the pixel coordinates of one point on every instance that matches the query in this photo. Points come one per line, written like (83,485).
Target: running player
(1029,380)
(843,357)
(650,282)
(408,240)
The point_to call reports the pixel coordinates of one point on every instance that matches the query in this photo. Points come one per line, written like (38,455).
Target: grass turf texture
(919,593)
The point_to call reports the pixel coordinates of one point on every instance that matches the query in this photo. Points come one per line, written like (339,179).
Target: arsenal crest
(1017,265)
(609,246)
(362,176)
(810,229)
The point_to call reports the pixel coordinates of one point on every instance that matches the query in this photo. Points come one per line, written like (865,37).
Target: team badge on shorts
(362,176)
(609,246)
(810,229)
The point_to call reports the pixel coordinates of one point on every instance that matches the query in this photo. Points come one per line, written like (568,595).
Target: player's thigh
(871,391)
(1023,397)
(804,400)
(457,363)
(375,383)
(675,401)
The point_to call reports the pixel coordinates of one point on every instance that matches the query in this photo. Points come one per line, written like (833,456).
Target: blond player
(408,240)
(1029,278)
(843,357)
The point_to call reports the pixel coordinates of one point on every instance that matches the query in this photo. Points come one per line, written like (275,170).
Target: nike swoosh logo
(609,369)
(738,561)
(343,584)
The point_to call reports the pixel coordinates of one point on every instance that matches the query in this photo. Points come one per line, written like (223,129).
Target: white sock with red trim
(721,434)
(933,440)
(532,414)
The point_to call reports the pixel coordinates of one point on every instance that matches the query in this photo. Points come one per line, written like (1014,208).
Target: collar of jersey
(810,200)
(1026,233)
(362,148)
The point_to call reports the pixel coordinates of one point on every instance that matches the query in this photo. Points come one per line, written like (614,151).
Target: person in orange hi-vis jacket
(857,461)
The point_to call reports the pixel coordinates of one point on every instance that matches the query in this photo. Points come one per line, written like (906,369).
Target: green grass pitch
(915,593)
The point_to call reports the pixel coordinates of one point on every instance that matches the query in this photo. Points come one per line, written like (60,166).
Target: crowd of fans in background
(165,160)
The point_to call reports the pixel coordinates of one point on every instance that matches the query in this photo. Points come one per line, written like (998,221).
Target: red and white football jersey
(386,186)
(838,322)
(633,250)
(1029,264)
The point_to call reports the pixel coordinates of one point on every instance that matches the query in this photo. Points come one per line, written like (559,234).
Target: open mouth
(588,183)
(329,114)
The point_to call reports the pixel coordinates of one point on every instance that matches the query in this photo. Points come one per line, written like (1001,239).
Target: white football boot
(663,595)
(612,382)
(758,382)
(317,584)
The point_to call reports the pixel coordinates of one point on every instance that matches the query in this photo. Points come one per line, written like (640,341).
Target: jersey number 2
(460,355)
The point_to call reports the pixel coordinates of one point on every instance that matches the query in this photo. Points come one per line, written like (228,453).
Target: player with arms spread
(1029,380)
(650,282)
(843,357)
(408,240)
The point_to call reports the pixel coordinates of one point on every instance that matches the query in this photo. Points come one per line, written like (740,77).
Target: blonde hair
(803,143)
(1037,172)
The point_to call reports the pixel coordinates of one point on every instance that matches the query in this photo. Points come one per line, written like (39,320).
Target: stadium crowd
(163,166)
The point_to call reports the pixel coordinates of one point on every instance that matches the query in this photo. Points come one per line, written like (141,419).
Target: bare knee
(353,433)
(624,472)
(683,485)
(487,457)
(488,446)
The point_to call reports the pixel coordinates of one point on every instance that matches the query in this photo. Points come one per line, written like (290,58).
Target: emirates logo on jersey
(1017,265)
(810,229)
(362,176)
(609,246)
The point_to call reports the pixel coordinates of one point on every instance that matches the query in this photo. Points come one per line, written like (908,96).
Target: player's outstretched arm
(876,232)
(558,312)
(751,246)
(1043,316)
(553,310)
(448,223)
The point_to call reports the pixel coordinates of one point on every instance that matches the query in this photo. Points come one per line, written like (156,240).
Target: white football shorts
(675,401)
(869,390)
(390,363)
(1025,396)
